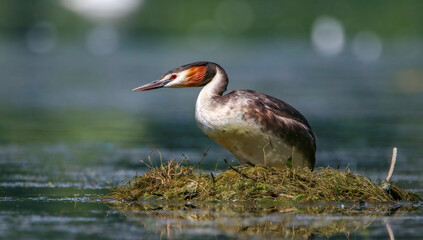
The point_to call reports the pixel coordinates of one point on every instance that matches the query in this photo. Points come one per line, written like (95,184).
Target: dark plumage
(269,112)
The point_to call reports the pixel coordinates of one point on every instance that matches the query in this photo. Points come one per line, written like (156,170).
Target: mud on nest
(180,181)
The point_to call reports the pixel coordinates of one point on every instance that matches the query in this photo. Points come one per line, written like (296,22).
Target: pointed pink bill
(152,85)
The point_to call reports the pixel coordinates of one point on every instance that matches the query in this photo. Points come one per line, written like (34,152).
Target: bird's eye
(173,76)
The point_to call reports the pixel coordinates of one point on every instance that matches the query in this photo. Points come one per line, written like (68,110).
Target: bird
(256,128)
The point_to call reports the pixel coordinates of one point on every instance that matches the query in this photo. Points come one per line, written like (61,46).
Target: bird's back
(260,129)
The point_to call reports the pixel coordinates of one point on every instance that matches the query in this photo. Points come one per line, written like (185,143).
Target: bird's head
(195,74)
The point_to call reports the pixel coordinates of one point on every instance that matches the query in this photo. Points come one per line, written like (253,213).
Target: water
(70,129)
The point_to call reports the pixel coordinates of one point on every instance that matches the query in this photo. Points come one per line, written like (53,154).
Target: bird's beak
(152,85)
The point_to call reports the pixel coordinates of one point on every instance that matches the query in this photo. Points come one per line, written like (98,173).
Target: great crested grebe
(256,128)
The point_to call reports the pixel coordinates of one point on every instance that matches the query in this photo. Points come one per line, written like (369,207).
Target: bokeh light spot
(102,9)
(367,46)
(409,80)
(328,36)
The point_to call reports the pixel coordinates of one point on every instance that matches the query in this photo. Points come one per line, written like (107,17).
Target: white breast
(246,140)
(225,123)
(243,137)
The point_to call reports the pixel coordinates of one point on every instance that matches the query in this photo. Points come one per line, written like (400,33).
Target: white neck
(206,100)
(216,86)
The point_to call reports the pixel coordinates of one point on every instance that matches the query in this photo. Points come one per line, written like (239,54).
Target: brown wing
(279,117)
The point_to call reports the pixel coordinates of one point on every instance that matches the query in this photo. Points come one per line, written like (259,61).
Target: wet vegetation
(182,192)
(180,181)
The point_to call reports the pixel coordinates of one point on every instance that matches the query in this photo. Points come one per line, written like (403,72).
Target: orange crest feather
(195,76)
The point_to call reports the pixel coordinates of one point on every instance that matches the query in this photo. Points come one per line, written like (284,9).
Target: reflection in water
(288,221)
(42,184)
(390,232)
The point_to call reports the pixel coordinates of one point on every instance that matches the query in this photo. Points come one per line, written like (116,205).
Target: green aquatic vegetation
(180,191)
(182,182)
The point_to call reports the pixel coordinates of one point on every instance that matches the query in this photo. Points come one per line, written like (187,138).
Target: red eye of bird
(173,76)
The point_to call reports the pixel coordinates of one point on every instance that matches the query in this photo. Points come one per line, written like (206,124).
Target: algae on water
(177,181)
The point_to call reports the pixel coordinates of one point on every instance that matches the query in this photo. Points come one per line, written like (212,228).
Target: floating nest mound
(179,181)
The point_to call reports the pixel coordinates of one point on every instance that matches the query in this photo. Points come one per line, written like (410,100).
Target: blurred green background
(71,19)
(67,67)
(70,126)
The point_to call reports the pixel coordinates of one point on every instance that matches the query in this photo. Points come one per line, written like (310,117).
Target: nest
(182,182)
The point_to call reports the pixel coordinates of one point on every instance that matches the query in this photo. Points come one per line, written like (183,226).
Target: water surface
(70,129)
